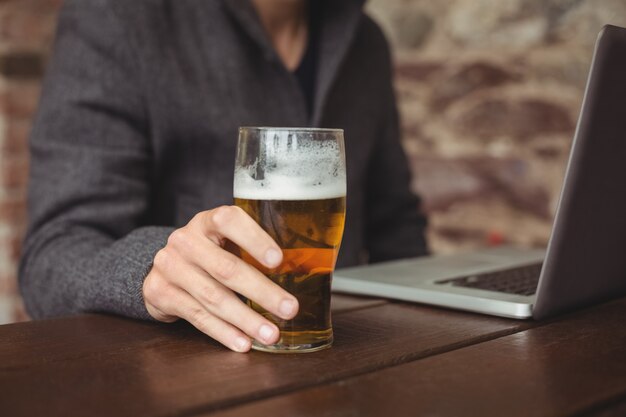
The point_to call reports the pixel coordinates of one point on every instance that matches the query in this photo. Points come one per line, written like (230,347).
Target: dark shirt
(305,73)
(137,130)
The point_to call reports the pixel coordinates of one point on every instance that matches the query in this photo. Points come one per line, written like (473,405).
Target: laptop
(585,261)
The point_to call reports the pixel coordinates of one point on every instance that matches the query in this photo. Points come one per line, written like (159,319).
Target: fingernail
(242,344)
(272,257)
(287,308)
(267,333)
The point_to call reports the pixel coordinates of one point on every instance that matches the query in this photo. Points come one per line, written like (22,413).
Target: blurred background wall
(489,92)
(26,31)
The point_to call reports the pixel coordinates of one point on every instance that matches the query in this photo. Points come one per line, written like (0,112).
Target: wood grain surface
(341,303)
(101,365)
(572,366)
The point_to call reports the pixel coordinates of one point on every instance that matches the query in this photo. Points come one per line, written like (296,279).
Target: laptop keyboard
(520,280)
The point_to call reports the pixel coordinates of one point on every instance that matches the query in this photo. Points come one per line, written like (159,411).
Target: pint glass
(292,181)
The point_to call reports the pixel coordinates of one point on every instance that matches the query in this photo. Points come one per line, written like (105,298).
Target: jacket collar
(244,14)
(338,28)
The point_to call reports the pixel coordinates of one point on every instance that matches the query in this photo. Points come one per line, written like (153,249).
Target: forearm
(72,269)
(90,183)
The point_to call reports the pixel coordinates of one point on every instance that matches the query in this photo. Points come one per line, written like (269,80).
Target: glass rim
(292,129)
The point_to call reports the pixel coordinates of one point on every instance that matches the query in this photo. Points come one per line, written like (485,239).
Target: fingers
(193,278)
(234,224)
(237,275)
(176,302)
(222,302)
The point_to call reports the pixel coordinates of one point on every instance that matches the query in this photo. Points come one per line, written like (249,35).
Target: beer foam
(280,187)
(305,171)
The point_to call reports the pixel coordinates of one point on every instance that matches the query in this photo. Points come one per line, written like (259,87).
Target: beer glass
(292,181)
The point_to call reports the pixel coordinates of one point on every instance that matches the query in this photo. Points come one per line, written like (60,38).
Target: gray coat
(137,128)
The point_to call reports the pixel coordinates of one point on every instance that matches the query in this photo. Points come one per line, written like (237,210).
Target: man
(133,153)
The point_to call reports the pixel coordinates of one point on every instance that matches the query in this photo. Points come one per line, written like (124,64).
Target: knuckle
(225,268)
(155,289)
(223,215)
(214,297)
(198,219)
(198,316)
(178,238)
(162,259)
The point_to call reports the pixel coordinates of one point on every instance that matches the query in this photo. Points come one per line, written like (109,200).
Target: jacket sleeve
(89,244)
(395,224)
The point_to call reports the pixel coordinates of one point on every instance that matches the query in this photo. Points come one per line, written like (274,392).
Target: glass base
(283,347)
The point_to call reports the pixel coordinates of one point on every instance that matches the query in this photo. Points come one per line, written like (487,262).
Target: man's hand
(194,278)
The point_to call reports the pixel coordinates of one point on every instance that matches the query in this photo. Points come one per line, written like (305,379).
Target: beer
(309,232)
(292,182)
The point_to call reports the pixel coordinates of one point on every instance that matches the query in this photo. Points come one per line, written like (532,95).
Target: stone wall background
(489,92)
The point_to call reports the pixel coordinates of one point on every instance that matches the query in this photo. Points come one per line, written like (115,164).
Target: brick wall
(26,28)
(489,92)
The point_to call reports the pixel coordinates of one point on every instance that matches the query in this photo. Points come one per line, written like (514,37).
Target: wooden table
(388,359)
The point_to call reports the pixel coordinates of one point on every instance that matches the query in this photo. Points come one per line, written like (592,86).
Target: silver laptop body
(585,261)
(417,280)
